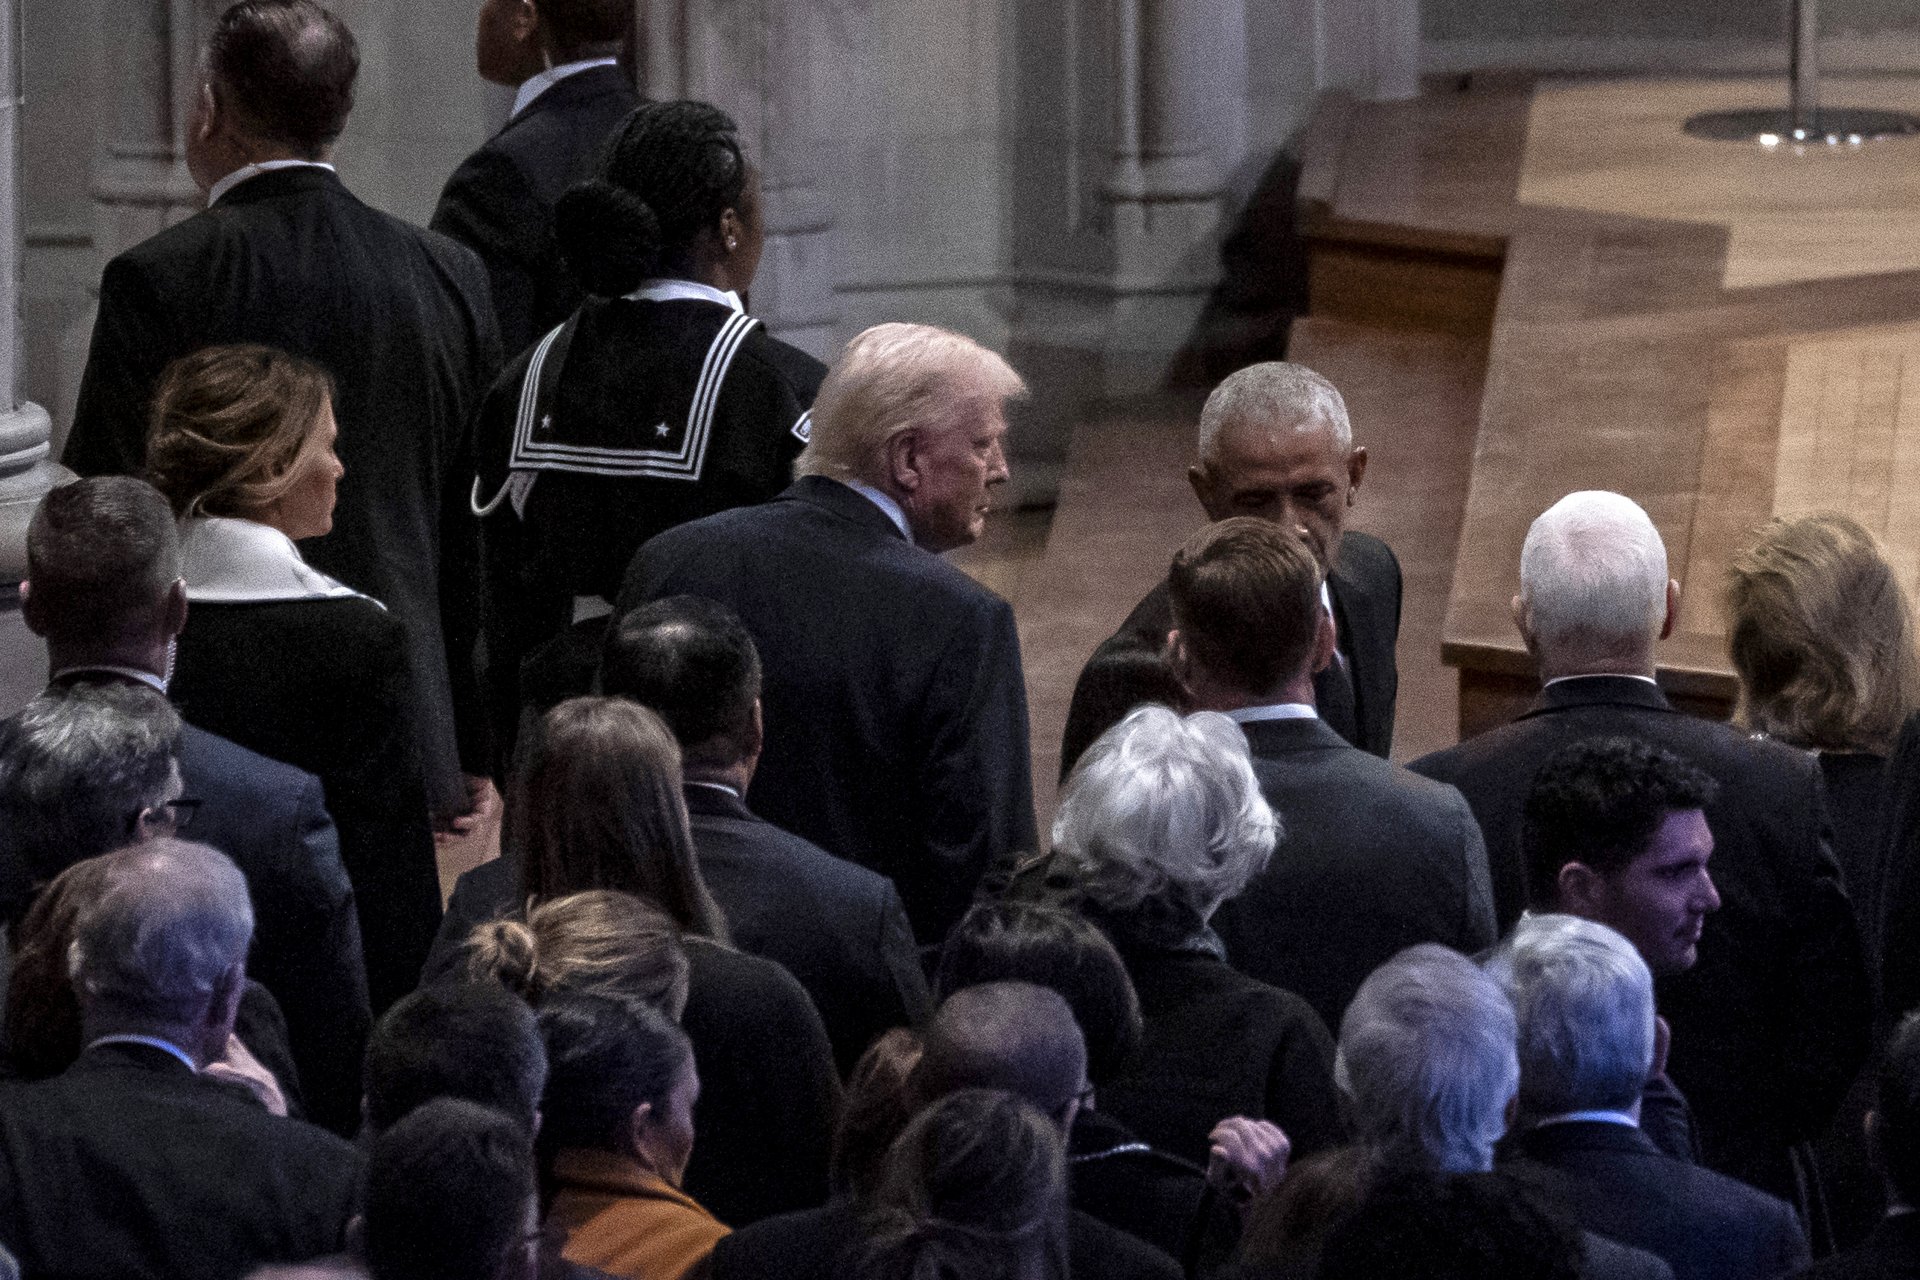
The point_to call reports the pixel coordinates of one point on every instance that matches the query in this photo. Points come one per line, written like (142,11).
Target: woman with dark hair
(595,804)
(659,401)
(616,1133)
(281,658)
(1160,822)
(974,1189)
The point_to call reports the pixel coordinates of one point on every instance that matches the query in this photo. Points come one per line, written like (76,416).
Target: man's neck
(1206,694)
(151,659)
(1560,668)
(735,777)
(190,1040)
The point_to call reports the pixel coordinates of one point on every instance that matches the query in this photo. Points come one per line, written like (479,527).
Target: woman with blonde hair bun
(597,943)
(281,658)
(594,805)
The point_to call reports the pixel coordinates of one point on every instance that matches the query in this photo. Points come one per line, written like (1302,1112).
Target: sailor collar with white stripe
(686,291)
(228,561)
(676,450)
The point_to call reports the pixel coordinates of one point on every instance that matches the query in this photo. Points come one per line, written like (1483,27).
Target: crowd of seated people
(774,975)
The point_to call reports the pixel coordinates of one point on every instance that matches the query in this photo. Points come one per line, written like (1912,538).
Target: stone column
(1180,94)
(140,181)
(26,467)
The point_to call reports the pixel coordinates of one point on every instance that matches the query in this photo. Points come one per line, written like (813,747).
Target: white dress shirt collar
(1590,1117)
(886,503)
(1602,675)
(107,668)
(152,1042)
(536,85)
(715,786)
(241,174)
(1274,711)
(686,291)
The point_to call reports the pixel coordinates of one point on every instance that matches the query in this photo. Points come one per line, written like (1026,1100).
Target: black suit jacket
(128,1165)
(1217,1043)
(1366,616)
(1373,860)
(324,685)
(895,705)
(499,202)
(270,818)
(824,1244)
(769,1094)
(1614,1182)
(837,927)
(400,317)
(1891,1252)
(1772,1022)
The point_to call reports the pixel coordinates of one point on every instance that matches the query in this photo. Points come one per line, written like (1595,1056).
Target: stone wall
(964,162)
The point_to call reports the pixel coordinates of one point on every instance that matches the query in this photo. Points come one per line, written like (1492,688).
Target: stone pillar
(1180,95)
(26,468)
(140,181)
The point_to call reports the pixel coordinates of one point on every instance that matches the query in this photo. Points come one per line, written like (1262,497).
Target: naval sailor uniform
(288,662)
(638,414)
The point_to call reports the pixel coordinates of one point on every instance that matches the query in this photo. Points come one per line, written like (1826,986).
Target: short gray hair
(1165,807)
(1584,1000)
(1593,572)
(77,764)
(1427,1061)
(1274,392)
(174,919)
(893,378)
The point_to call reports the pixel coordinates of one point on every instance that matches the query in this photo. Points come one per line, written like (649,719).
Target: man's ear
(1522,620)
(1673,608)
(1202,487)
(525,23)
(1579,888)
(757,734)
(30,612)
(210,120)
(903,459)
(356,1237)
(1324,642)
(1356,471)
(176,606)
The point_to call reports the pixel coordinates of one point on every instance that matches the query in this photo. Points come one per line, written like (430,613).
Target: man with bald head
(1771,1022)
(1274,443)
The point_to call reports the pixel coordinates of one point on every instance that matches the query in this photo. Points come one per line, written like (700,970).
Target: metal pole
(1805,122)
(1806,67)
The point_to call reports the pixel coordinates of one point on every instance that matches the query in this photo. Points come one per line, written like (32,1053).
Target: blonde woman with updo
(278,656)
(1821,634)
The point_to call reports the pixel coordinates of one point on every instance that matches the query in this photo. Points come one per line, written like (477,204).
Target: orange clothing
(626,1221)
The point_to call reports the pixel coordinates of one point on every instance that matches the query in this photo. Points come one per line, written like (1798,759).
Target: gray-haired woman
(1161,822)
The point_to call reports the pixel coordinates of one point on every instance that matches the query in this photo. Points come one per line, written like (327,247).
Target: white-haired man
(1771,1023)
(1430,1071)
(1275,443)
(136,1151)
(896,712)
(1584,1001)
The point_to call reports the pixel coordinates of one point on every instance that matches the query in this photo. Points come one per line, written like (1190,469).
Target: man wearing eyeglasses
(103,589)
